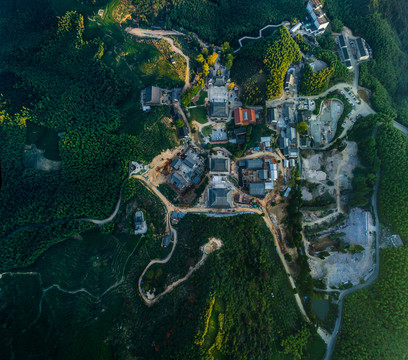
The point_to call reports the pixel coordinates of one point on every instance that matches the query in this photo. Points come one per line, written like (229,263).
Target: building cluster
(319,19)
(219,194)
(218,80)
(257,176)
(359,48)
(243,118)
(284,119)
(187,170)
(316,22)
(155,96)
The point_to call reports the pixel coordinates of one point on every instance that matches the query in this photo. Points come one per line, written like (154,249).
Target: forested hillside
(393,192)
(219,20)
(53,76)
(261,65)
(384,25)
(375,324)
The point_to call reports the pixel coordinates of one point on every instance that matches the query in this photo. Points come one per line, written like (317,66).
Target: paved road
(370,281)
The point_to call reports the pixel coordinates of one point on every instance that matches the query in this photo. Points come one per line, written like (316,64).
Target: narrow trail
(63,221)
(95,298)
(260,34)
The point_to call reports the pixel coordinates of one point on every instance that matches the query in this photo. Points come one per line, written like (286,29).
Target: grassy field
(201,99)
(199,114)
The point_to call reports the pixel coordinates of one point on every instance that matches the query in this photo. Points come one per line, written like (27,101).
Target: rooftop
(220,165)
(342,41)
(257,189)
(219,198)
(218,109)
(254,164)
(152,95)
(244,116)
(361,48)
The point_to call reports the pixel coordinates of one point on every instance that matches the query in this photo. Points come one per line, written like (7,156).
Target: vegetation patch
(199,114)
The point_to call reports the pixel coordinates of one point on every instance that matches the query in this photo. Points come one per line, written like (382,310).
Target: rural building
(183,133)
(219,165)
(167,239)
(254,164)
(178,181)
(219,198)
(342,41)
(244,117)
(263,174)
(219,135)
(296,27)
(266,140)
(315,10)
(362,53)
(140,223)
(152,96)
(273,117)
(289,79)
(188,171)
(257,189)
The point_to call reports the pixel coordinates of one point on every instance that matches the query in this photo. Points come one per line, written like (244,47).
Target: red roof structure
(244,116)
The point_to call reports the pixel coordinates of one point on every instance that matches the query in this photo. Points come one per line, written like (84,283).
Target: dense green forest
(375,320)
(393,191)
(52,75)
(205,318)
(261,66)
(365,177)
(219,20)
(385,27)
(314,83)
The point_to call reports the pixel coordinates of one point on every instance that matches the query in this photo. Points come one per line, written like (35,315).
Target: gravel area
(341,268)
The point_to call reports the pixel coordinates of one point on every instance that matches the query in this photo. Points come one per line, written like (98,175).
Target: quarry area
(338,241)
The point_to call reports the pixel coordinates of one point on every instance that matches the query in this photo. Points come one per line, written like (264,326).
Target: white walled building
(314,8)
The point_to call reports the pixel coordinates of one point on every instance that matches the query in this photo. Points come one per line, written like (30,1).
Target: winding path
(98,222)
(260,34)
(94,298)
(161,34)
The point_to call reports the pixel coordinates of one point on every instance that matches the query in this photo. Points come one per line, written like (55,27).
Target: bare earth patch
(34,158)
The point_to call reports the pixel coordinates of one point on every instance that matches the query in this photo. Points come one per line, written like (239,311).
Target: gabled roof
(152,95)
(219,165)
(177,180)
(345,54)
(219,198)
(361,48)
(254,164)
(244,116)
(189,161)
(240,130)
(342,41)
(218,109)
(257,189)
(176,164)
